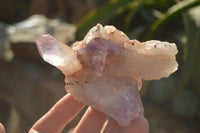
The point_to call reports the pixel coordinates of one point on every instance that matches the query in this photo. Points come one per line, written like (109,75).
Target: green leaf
(175,10)
(133,7)
(102,15)
(192,28)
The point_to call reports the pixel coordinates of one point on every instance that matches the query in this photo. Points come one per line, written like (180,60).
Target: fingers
(2,129)
(139,125)
(113,127)
(60,114)
(67,108)
(91,122)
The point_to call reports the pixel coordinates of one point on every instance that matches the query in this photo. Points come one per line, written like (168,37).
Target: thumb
(2,129)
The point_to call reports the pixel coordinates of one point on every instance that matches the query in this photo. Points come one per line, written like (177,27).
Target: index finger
(60,114)
(2,129)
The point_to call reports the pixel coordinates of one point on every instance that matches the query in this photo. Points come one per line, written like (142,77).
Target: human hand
(92,121)
(2,129)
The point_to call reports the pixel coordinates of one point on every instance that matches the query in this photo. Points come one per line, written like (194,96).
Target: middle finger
(92,121)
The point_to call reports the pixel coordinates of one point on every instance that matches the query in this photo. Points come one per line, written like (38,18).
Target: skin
(2,129)
(92,121)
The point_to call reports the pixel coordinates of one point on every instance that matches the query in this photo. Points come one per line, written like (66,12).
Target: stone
(22,35)
(105,69)
(5,50)
(35,26)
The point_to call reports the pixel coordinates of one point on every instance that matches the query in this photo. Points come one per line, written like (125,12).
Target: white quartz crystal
(58,54)
(105,69)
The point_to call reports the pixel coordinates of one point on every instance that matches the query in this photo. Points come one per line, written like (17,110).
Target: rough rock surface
(105,69)
(20,37)
(37,25)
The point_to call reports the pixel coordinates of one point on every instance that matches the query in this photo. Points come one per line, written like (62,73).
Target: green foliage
(112,9)
(101,15)
(170,20)
(192,49)
(176,9)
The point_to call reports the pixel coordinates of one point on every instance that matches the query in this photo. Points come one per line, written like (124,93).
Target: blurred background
(29,86)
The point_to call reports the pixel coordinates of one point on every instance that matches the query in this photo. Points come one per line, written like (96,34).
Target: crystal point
(58,54)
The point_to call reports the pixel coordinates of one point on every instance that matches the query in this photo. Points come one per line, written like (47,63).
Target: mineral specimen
(105,69)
